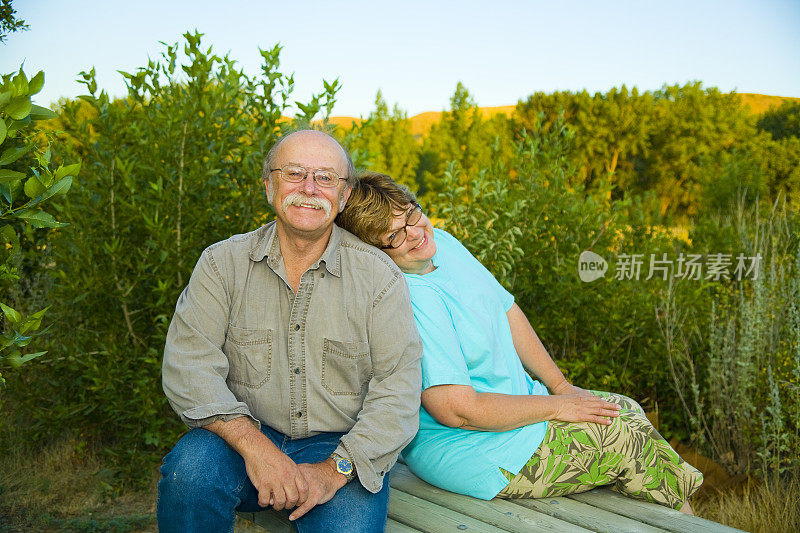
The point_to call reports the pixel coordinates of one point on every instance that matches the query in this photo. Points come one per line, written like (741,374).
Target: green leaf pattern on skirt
(629,454)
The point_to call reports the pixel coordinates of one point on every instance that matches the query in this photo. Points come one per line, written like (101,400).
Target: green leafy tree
(27,184)
(779,153)
(385,143)
(730,177)
(616,133)
(780,161)
(611,130)
(461,135)
(648,142)
(9,23)
(690,124)
(541,112)
(783,121)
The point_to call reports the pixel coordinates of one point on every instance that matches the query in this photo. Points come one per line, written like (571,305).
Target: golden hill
(343,121)
(758,103)
(421,123)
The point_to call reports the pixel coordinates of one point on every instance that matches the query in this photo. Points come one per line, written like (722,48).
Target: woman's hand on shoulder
(583,406)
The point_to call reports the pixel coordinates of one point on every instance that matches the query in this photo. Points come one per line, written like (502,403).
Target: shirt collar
(332,256)
(267,245)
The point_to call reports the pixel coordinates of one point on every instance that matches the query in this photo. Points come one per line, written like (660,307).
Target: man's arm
(195,368)
(389,418)
(193,376)
(278,480)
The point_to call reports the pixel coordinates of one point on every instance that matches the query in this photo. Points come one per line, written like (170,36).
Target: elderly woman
(486,427)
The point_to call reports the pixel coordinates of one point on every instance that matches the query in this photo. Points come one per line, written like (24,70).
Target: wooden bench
(417,506)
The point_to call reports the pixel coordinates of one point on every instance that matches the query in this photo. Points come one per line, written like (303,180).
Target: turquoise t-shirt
(460,311)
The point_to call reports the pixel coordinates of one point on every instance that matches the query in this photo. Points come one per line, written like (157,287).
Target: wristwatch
(344,466)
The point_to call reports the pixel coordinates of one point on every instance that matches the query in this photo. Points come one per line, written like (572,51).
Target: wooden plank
(275,522)
(587,516)
(650,513)
(392,526)
(500,513)
(272,521)
(431,518)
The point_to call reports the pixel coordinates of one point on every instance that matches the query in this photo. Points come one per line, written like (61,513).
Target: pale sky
(416,51)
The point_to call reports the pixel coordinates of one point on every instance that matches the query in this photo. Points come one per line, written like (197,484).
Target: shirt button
(297,370)
(322,275)
(299,414)
(296,327)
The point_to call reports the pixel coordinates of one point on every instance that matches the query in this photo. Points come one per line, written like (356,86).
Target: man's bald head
(313,137)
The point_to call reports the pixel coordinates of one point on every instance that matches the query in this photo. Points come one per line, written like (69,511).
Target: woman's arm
(461,406)
(534,356)
(450,398)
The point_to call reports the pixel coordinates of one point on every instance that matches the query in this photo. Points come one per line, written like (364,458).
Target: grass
(755,506)
(66,487)
(743,502)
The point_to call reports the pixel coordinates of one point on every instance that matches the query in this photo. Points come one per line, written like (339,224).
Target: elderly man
(294,357)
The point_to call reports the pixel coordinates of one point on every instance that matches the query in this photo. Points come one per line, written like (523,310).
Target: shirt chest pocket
(346,367)
(249,354)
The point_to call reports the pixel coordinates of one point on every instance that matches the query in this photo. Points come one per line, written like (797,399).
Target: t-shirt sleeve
(506,298)
(442,359)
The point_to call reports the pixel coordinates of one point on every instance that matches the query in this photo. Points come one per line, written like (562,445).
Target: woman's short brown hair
(373,203)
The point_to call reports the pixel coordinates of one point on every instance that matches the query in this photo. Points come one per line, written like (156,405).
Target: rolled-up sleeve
(195,368)
(389,418)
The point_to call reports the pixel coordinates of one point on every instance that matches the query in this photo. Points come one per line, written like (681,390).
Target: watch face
(344,466)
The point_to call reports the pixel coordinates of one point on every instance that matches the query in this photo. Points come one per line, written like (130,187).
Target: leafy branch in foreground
(26,183)
(9,23)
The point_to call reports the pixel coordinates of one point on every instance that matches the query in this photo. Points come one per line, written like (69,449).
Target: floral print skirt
(629,455)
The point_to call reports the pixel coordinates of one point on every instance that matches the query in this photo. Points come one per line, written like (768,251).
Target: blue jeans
(204,482)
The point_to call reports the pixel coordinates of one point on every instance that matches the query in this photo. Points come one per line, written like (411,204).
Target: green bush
(26,184)
(745,394)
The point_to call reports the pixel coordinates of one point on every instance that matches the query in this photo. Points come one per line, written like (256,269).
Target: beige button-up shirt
(340,355)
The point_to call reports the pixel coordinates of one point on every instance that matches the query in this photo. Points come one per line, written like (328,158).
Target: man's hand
(583,408)
(323,481)
(278,480)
